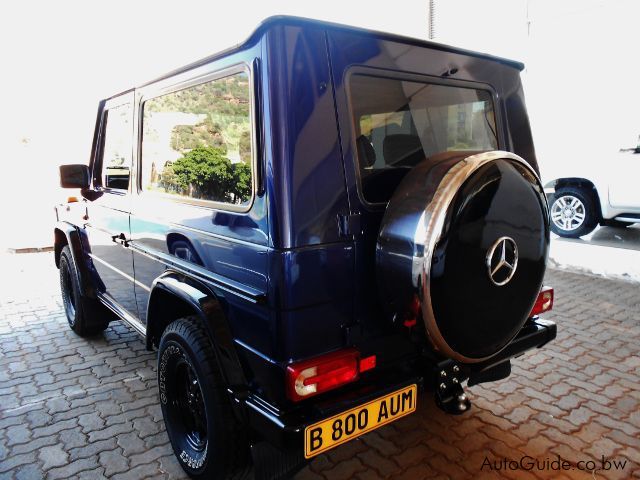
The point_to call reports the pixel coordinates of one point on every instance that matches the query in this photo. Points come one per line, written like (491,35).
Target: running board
(132,321)
(622,218)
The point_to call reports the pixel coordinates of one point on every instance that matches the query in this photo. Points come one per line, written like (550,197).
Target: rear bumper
(286,429)
(536,333)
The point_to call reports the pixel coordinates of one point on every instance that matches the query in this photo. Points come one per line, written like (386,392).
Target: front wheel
(206,438)
(86,316)
(573,213)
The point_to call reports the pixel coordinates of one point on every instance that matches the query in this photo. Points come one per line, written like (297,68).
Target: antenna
(432,19)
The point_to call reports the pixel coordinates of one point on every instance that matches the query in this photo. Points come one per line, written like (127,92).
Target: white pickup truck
(607,196)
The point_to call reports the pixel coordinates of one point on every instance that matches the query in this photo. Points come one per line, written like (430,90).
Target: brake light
(411,317)
(544,302)
(367,363)
(323,373)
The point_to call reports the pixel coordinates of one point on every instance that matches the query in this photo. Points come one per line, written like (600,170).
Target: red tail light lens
(544,302)
(367,363)
(323,373)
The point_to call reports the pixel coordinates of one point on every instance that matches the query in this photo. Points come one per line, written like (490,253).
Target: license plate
(345,426)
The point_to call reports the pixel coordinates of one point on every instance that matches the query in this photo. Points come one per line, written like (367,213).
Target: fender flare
(202,300)
(65,231)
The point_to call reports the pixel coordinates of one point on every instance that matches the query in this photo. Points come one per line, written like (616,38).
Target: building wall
(582,69)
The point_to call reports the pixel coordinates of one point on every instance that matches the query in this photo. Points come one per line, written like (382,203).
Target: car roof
(287,20)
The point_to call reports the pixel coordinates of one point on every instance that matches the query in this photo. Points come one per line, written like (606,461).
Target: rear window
(399,123)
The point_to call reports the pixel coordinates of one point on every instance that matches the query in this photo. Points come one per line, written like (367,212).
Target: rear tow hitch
(450,396)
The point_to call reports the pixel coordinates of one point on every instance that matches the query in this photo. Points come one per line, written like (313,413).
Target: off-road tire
(85,315)
(591,217)
(222,448)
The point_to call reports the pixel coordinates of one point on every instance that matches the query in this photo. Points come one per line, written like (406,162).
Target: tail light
(544,302)
(412,315)
(326,372)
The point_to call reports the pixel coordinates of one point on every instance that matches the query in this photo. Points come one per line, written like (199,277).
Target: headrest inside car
(366,153)
(402,150)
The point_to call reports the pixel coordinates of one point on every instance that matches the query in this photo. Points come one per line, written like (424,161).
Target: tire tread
(86,308)
(193,332)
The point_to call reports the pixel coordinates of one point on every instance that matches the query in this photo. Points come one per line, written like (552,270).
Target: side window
(117,145)
(196,142)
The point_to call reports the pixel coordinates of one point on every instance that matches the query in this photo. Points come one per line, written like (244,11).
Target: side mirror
(74,176)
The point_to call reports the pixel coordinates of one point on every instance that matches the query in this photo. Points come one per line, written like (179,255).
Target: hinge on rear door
(349,225)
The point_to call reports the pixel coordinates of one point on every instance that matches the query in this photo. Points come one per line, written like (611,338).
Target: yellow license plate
(348,425)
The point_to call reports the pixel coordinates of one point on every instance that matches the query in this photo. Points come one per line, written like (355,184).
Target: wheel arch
(583,184)
(175,296)
(67,234)
(60,240)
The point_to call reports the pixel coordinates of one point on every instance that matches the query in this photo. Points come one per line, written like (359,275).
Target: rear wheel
(206,437)
(573,212)
(85,315)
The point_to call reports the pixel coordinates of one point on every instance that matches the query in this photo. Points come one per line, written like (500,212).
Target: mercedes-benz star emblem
(502,260)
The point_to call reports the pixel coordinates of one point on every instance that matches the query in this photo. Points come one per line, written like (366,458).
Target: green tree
(206,133)
(244,146)
(168,178)
(205,172)
(241,182)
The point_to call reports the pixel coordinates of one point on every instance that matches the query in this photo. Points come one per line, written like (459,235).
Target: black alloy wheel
(185,403)
(207,439)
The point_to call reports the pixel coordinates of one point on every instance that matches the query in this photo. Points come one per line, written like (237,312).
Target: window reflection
(116,152)
(197,142)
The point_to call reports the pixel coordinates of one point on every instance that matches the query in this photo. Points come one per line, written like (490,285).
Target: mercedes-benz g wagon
(312,228)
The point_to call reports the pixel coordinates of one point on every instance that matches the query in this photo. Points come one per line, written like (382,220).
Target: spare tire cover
(466,236)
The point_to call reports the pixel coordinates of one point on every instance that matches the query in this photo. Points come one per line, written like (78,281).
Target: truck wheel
(573,213)
(206,437)
(82,313)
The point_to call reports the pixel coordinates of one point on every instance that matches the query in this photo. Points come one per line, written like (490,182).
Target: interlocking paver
(72,469)
(76,408)
(52,456)
(113,462)
(92,449)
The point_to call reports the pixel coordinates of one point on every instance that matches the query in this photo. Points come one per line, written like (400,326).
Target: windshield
(399,123)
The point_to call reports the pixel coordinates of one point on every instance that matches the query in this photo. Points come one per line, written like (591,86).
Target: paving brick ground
(76,408)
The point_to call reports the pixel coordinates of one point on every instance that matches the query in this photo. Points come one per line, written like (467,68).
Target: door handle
(120,238)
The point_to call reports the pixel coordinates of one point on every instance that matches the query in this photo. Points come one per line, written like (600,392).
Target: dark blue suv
(313,228)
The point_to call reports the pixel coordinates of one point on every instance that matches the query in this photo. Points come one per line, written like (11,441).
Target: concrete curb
(30,250)
(602,261)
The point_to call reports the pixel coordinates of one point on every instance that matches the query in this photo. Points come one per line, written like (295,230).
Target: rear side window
(399,123)
(117,146)
(196,142)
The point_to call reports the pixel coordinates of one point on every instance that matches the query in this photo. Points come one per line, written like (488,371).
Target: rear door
(107,216)
(394,109)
